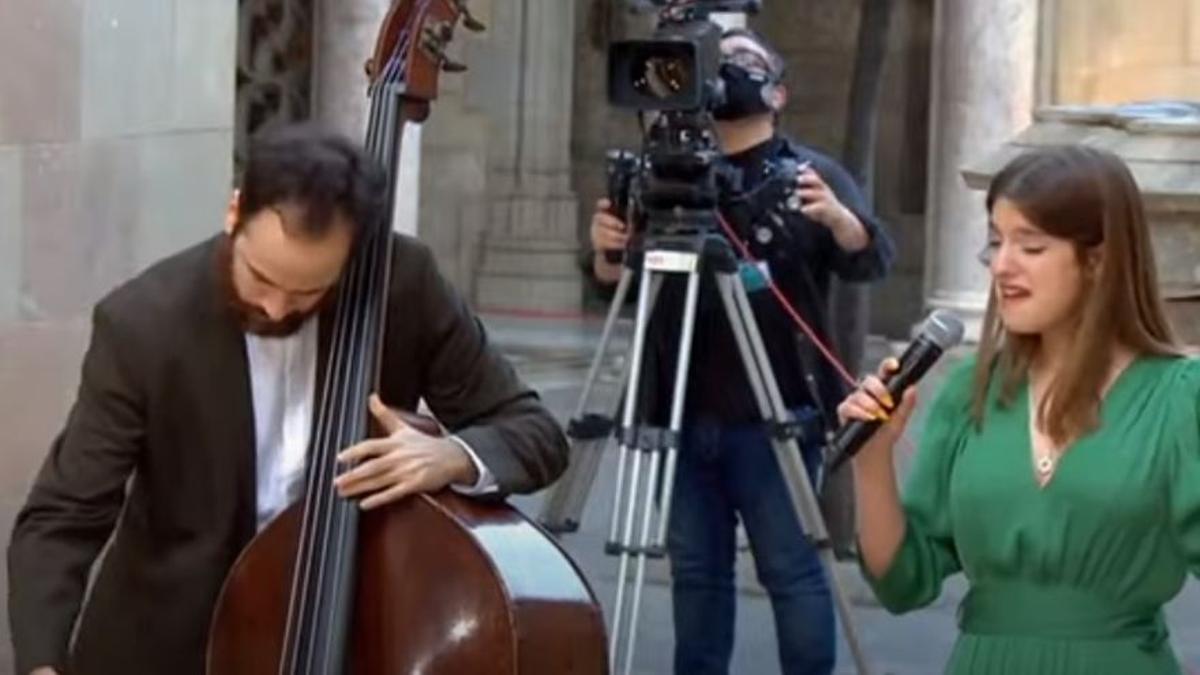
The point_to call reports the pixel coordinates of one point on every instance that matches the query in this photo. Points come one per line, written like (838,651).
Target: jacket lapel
(229,375)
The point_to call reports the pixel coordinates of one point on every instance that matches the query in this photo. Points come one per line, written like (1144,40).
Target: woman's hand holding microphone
(881,524)
(871,402)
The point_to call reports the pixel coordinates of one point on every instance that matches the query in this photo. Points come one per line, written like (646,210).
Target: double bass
(433,584)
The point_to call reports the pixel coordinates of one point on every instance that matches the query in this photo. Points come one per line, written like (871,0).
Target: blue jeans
(728,470)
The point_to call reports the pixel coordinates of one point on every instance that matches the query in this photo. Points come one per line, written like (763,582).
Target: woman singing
(1060,465)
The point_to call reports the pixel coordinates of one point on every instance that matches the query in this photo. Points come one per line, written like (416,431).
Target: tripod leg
(631,380)
(787,453)
(671,446)
(562,511)
(630,441)
(614,311)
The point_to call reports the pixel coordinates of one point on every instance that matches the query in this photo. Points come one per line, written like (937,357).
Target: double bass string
(297,633)
(369,322)
(325,517)
(297,636)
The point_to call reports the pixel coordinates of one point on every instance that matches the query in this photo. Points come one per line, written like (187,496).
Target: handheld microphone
(941,331)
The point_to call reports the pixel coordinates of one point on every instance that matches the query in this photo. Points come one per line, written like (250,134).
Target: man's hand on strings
(405,462)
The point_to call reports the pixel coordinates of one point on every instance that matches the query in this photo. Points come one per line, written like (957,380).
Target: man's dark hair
(317,172)
(775,62)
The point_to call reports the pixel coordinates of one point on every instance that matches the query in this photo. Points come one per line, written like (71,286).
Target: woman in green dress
(1059,468)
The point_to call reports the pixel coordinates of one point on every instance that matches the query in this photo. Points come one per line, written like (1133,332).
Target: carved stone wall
(274,65)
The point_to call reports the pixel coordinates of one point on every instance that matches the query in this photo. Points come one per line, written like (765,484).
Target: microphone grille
(943,328)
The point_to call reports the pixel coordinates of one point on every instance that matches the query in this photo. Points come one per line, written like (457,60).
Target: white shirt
(283,373)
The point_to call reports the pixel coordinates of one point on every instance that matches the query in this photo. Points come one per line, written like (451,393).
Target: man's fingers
(368,469)
(366,450)
(394,493)
(612,240)
(366,484)
(810,177)
(814,210)
(607,233)
(609,222)
(389,420)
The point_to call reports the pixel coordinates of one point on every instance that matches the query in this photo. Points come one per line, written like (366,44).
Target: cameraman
(726,465)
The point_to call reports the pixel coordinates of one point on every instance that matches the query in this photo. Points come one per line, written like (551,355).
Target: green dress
(1070,578)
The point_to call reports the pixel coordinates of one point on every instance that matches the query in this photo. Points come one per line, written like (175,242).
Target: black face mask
(744,93)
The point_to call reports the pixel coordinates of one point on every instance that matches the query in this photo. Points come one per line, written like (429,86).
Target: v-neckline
(1029,415)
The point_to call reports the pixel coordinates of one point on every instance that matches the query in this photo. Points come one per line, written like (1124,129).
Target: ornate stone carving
(274,65)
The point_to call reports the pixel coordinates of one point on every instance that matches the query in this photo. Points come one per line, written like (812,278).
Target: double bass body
(446,586)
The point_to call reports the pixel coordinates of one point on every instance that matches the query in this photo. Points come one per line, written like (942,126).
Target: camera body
(677,68)
(680,180)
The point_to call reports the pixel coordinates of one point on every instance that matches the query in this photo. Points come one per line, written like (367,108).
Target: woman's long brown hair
(1087,196)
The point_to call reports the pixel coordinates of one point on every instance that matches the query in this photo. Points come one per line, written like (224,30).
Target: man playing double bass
(195,407)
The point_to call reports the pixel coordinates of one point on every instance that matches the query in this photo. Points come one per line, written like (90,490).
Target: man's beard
(250,318)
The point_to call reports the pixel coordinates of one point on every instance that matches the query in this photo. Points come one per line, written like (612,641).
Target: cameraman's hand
(820,204)
(608,233)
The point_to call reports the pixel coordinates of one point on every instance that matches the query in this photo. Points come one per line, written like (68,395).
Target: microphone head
(943,328)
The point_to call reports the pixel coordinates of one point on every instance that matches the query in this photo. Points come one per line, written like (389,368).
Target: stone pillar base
(531,265)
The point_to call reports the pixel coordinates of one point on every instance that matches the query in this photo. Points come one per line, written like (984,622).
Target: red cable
(787,305)
(905,443)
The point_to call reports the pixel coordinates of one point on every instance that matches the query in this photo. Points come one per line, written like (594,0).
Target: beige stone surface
(1135,83)
(39,70)
(1114,51)
(115,148)
(39,370)
(127,59)
(10,232)
(1194,31)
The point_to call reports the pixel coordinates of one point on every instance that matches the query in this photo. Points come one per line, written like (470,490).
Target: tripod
(691,255)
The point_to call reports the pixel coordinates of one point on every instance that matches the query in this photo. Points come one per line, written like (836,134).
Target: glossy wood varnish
(498,597)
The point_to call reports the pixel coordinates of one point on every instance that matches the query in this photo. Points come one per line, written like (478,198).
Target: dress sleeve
(1183,432)
(927,554)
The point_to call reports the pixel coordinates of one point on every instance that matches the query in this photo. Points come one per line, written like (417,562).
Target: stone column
(345,33)
(530,245)
(983,92)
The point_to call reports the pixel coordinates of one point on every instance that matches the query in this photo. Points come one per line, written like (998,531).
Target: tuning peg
(469,21)
(472,24)
(453,66)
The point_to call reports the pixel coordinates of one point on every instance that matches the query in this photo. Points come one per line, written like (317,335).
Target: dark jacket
(161,435)
(802,264)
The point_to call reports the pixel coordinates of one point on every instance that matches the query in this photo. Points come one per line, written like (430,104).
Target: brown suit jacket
(162,435)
